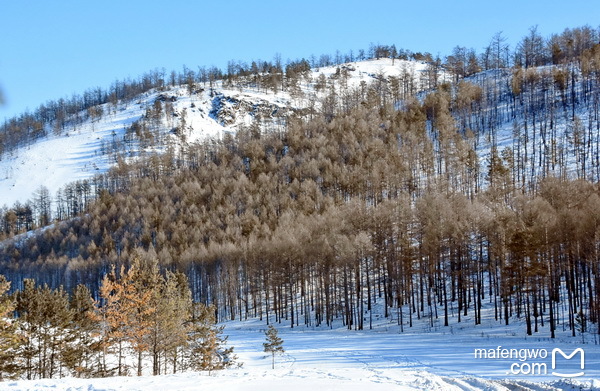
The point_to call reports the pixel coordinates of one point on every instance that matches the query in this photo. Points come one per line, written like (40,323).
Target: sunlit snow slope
(55,161)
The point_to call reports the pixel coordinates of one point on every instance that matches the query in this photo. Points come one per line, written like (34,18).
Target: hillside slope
(84,150)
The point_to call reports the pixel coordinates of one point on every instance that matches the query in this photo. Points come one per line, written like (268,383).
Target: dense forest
(141,313)
(433,199)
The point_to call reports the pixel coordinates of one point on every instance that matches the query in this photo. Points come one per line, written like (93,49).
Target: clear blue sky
(52,49)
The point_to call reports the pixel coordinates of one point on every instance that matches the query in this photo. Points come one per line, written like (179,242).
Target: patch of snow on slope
(57,160)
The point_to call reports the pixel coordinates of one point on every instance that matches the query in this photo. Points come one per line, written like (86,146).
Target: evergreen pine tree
(29,310)
(274,344)
(175,307)
(207,345)
(57,318)
(81,345)
(10,340)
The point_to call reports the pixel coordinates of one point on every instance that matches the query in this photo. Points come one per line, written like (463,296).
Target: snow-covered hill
(80,151)
(543,142)
(425,357)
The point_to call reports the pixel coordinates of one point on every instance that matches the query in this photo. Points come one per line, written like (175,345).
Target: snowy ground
(421,358)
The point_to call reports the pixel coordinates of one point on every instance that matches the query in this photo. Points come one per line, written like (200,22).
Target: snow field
(423,357)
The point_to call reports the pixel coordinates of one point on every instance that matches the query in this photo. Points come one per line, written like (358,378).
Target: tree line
(47,332)
(56,115)
(538,101)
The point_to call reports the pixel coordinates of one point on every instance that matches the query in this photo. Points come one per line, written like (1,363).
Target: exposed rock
(228,110)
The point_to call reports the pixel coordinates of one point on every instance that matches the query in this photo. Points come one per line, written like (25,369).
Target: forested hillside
(471,181)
